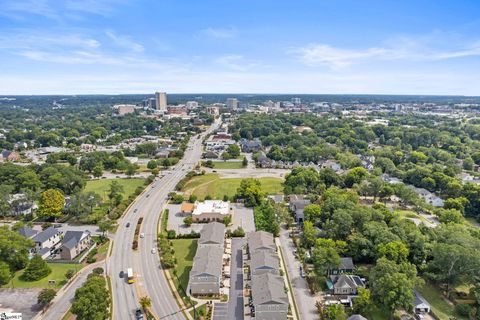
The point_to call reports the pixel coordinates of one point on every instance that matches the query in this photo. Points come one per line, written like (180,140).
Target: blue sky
(243,46)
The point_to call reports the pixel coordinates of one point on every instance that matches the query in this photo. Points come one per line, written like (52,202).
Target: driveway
(233,309)
(305,301)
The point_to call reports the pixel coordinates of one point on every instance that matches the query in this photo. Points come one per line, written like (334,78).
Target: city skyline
(311,47)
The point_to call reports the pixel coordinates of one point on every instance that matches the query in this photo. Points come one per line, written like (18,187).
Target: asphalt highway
(149,278)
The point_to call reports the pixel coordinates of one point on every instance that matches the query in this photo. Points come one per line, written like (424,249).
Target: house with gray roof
(48,238)
(74,243)
(344,284)
(269,298)
(297,204)
(264,262)
(346,266)
(420,305)
(250,145)
(206,274)
(27,232)
(260,241)
(212,233)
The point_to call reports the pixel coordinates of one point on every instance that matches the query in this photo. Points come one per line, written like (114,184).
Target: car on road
(154,250)
(138,314)
(135,210)
(302,272)
(142,235)
(121,274)
(148,195)
(127,225)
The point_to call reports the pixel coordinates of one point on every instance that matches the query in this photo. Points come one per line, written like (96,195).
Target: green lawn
(211,184)
(439,305)
(58,274)
(228,165)
(185,250)
(102,186)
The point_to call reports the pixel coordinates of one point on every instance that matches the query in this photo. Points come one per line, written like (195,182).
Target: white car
(142,235)
(154,250)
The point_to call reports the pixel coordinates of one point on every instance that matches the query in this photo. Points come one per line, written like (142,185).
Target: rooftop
(208,260)
(268,288)
(212,233)
(212,206)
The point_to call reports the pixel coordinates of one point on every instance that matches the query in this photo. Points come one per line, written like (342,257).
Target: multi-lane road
(150,279)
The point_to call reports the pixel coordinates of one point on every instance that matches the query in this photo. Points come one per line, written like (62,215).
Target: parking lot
(20,300)
(242,217)
(233,309)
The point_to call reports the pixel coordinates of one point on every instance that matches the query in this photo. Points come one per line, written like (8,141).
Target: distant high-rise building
(192,104)
(232,103)
(150,103)
(161,100)
(123,109)
(296,101)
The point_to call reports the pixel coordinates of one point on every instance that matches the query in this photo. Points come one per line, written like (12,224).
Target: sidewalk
(286,279)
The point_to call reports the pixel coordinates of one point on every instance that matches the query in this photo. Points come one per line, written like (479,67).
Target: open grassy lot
(58,274)
(211,184)
(102,186)
(228,165)
(185,250)
(439,304)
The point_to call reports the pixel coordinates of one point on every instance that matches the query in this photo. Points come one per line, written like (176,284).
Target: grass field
(58,274)
(439,305)
(211,184)
(228,165)
(102,186)
(185,250)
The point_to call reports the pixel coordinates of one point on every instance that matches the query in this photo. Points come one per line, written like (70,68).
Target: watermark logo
(10,316)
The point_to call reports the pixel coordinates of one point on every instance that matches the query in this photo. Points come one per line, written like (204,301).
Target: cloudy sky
(242,46)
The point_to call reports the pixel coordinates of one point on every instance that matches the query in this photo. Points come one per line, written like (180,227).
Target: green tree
(5,273)
(395,251)
(14,248)
(312,212)
(233,150)
(227,220)
(46,296)
(244,162)
(98,170)
(152,164)
(92,300)
(309,234)
(325,259)
(392,285)
(265,219)
(355,175)
(250,190)
(188,221)
(69,274)
(131,169)
(36,269)
(115,193)
(51,204)
(363,303)
(449,216)
(106,225)
(145,302)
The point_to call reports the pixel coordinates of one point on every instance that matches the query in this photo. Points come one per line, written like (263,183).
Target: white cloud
(125,42)
(406,49)
(219,33)
(236,62)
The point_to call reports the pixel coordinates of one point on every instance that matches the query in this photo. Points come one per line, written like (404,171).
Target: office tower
(296,101)
(192,104)
(161,100)
(232,103)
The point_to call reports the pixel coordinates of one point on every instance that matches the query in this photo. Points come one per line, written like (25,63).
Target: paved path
(63,301)
(249,173)
(305,301)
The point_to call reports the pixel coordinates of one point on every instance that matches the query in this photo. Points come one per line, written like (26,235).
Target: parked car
(142,235)
(154,250)
(138,314)
(121,274)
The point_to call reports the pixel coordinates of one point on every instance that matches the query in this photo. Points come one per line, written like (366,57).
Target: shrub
(171,234)
(37,269)
(69,274)
(463,309)
(188,221)
(98,270)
